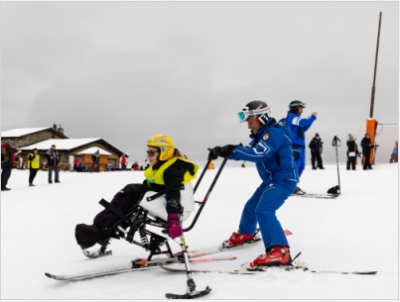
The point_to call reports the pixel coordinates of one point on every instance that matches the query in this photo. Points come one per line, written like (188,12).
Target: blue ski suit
(299,126)
(272,152)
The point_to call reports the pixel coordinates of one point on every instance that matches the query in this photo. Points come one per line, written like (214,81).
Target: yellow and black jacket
(168,176)
(33,161)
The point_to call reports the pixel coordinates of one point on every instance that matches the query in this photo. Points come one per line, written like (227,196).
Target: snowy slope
(357,231)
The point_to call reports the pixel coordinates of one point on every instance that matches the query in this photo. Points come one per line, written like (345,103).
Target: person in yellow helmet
(168,170)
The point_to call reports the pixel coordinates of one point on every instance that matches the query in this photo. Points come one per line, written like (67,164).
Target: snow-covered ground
(357,231)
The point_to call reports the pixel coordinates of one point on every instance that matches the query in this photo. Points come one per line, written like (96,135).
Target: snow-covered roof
(61,144)
(22,131)
(93,150)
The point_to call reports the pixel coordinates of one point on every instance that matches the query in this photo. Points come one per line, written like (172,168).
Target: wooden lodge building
(69,149)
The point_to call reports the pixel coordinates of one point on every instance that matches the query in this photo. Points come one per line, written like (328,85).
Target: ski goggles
(300,104)
(151,153)
(244,115)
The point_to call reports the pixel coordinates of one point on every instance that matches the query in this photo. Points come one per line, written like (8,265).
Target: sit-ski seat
(157,206)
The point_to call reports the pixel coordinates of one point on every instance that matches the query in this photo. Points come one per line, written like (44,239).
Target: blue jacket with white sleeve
(272,152)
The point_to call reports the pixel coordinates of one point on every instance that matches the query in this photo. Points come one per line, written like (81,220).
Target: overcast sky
(125,71)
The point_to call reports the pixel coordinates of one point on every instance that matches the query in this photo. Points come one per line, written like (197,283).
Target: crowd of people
(11,157)
(352,152)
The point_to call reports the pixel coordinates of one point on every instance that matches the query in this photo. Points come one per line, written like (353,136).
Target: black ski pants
(316,157)
(32,175)
(92,168)
(366,159)
(351,161)
(5,174)
(56,171)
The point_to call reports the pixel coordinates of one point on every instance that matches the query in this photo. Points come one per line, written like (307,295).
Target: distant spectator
(20,161)
(77,164)
(352,153)
(109,166)
(9,161)
(316,151)
(136,166)
(146,163)
(123,162)
(366,150)
(96,160)
(394,158)
(33,165)
(52,160)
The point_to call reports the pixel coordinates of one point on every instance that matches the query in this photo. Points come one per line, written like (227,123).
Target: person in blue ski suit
(271,150)
(299,126)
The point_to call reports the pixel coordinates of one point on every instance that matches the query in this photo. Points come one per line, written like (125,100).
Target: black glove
(222,151)
(213,153)
(226,150)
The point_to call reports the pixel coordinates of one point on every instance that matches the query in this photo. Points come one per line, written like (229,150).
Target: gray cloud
(125,71)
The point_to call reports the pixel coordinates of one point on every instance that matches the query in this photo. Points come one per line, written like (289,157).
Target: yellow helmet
(164,144)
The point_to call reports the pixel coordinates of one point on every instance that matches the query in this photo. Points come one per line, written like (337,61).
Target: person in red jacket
(7,167)
(123,162)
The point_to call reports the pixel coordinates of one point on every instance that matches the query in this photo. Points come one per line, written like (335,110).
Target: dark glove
(213,153)
(174,225)
(226,150)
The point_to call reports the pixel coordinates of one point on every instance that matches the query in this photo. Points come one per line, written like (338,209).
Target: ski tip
(366,273)
(50,276)
(288,233)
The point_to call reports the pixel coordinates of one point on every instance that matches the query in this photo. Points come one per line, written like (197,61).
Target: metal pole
(371,113)
(201,176)
(207,196)
(335,144)
(337,163)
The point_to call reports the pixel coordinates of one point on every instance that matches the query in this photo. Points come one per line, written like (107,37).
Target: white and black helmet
(259,109)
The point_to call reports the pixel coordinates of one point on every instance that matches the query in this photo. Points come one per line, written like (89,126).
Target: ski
(320,196)
(343,273)
(137,265)
(183,270)
(243,271)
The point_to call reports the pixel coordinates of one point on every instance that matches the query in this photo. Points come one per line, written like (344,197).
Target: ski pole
(335,144)
(201,176)
(207,196)
(191,285)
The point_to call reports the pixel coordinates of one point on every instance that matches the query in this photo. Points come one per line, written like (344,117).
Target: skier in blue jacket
(271,150)
(299,126)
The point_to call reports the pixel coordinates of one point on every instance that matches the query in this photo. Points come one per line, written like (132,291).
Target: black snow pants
(351,161)
(316,157)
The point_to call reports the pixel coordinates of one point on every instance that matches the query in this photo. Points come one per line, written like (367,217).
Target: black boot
(298,191)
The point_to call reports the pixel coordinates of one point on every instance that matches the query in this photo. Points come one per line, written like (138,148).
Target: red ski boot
(276,256)
(238,239)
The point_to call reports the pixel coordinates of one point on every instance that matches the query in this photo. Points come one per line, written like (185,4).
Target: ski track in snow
(357,231)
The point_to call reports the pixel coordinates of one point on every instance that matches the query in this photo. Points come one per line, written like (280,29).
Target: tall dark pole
(371,113)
